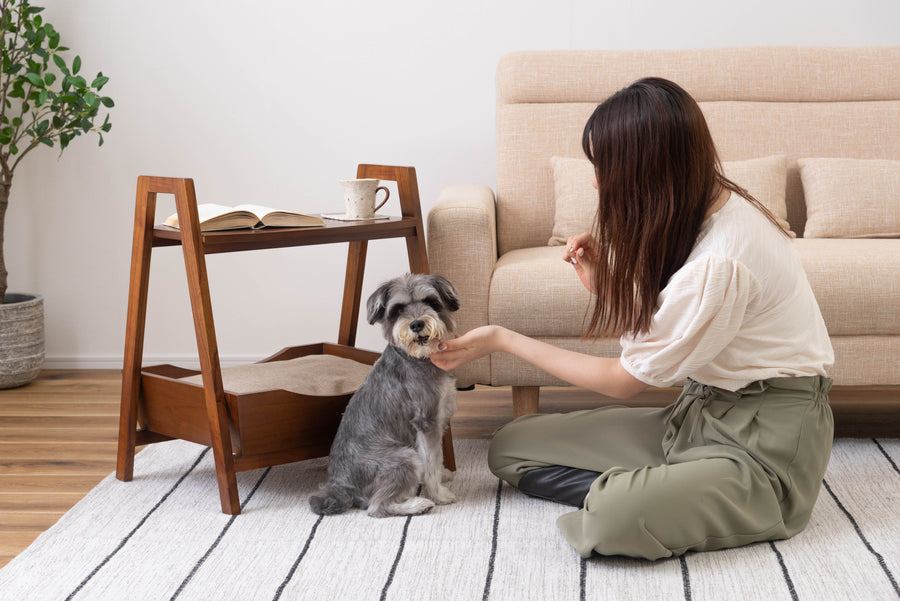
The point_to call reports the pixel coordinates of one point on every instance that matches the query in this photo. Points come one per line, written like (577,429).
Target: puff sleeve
(698,314)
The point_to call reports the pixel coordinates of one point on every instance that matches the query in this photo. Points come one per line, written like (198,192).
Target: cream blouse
(739,310)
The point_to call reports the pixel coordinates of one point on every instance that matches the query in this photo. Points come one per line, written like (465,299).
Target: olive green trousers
(716,469)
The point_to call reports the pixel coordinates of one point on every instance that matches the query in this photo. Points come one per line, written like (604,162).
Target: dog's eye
(433,303)
(395,311)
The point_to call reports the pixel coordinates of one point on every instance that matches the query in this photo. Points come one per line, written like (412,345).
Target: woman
(703,287)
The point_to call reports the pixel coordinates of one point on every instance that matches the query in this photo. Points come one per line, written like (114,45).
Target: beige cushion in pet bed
(313,375)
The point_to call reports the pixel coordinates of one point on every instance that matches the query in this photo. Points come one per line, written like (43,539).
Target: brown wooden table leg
(353,282)
(144,214)
(213,390)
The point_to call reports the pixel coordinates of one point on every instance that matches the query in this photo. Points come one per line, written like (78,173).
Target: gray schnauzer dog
(389,439)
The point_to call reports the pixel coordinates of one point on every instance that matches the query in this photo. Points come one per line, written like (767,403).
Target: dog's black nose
(417,326)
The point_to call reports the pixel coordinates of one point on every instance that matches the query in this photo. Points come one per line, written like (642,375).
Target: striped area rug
(162,537)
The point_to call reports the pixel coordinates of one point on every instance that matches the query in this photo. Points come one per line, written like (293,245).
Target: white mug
(359,197)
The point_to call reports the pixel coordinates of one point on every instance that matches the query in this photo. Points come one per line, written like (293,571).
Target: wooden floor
(58,437)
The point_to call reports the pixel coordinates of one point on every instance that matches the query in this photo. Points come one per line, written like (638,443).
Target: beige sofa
(787,107)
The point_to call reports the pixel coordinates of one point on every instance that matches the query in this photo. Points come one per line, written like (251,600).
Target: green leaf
(76,65)
(42,97)
(107,102)
(46,141)
(49,78)
(35,79)
(61,64)
(106,127)
(101,140)
(90,98)
(33,10)
(99,81)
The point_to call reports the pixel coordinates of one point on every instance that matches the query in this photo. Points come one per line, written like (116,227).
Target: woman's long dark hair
(658,174)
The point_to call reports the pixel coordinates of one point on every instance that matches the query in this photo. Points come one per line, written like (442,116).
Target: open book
(215,217)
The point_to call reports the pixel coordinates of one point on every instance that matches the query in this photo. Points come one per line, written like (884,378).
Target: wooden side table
(245,431)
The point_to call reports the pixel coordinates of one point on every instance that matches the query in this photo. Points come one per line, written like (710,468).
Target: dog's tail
(331,500)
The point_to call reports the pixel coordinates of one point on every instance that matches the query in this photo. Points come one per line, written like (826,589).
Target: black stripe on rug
(393,571)
(290,574)
(399,554)
(862,537)
(215,544)
(582,580)
(685,577)
(784,571)
(886,455)
(493,556)
(138,527)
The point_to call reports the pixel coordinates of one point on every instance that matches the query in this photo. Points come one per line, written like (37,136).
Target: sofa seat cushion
(536,293)
(856,283)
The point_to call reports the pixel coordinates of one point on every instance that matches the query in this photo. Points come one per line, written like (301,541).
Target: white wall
(274,101)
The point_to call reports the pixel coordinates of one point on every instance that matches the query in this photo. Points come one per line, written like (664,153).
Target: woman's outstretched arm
(600,374)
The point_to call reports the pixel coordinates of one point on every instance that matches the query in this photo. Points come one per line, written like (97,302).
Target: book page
(214,216)
(207,211)
(259,210)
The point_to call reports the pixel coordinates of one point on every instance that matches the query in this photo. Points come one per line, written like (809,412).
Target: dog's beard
(423,343)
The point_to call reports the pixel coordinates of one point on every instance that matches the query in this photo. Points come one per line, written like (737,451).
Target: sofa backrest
(799,102)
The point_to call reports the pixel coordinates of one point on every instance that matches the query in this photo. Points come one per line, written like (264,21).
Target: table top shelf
(333,231)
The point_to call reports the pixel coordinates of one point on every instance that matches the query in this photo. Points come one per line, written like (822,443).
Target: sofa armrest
(462,246)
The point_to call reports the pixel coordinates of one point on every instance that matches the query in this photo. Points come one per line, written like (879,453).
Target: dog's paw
(444,496)
(447,475)
(412,506)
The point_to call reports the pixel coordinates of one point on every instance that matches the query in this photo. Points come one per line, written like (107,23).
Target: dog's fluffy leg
(431,452)
(395,485)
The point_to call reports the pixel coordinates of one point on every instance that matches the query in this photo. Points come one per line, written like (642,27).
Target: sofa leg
(525,400)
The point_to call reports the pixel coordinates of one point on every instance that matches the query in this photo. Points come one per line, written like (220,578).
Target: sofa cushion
(535,292)
(851,198)
(766,180)
(855,283)
(576,199)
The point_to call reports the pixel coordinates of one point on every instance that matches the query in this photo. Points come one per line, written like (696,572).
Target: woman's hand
(474,344)
(581,252)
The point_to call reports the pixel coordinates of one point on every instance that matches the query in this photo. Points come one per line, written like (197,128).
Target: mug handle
(387,194)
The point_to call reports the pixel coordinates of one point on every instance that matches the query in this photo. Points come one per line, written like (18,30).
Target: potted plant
(44,101)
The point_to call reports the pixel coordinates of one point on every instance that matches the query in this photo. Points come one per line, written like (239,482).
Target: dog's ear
(449,295)
(377,303)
